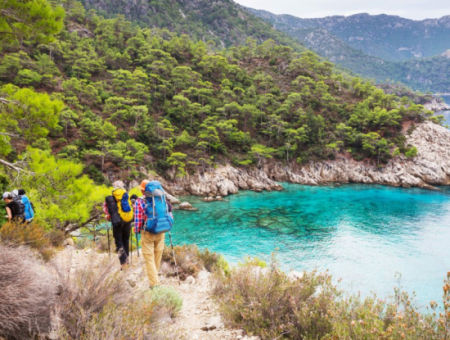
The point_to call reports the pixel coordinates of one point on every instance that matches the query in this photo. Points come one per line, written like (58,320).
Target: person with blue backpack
(152,219)
(28,206)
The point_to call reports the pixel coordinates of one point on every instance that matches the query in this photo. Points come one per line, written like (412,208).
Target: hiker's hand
(107,217)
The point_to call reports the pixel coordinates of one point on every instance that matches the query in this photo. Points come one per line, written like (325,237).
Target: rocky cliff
(431,167)
(437,104)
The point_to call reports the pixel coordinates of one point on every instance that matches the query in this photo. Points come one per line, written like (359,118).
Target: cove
(363,234)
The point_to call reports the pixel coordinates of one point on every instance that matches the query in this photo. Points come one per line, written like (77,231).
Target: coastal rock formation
(430,167)
(223,181)
(437,104)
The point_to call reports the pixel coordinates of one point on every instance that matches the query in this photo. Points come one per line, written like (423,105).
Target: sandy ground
(198,318)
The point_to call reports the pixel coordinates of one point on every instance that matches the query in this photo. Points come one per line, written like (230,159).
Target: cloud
(412,9)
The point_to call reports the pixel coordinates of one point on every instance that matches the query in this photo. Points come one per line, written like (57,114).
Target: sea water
(446,114)
(373,237)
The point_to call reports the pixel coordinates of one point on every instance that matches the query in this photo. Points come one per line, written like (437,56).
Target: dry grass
(27,294)
(269,304)
(191,261)
(32,235)
(85,293)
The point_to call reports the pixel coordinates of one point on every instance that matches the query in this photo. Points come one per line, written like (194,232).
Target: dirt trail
(198,318)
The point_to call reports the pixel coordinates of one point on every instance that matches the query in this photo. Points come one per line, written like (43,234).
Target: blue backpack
(29,213)
(159,219)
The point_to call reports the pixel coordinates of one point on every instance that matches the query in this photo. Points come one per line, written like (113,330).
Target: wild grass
(27,294)
(32,235)
(273,306)
(191,261)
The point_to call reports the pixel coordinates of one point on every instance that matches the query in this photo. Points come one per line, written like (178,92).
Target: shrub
(213,261)
(187,259)
(272,306)
(26,294)
(32,235)
(85,293)
(191,261)
(166,300)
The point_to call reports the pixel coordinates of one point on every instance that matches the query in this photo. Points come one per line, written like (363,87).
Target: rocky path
(198,318)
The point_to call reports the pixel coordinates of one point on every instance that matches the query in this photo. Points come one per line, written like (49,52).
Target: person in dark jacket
(14,211)
(121,230)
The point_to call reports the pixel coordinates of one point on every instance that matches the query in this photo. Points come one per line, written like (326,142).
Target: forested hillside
(220,22)
(384,48)
(106,98)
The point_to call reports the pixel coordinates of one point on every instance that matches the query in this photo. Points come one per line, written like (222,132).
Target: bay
(446,114)
(367,235)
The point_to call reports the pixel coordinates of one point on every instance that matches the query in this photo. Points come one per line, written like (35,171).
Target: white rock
(203,276)
(187,206)
(293,275)
(190,280)
(69,242)
(172,199)
(213,323)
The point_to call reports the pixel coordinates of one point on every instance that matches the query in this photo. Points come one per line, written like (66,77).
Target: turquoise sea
(367,235)
(446,114)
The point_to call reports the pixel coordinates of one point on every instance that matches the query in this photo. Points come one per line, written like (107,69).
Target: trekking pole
(137,247)
(174,259)
(109,244)
(131,246)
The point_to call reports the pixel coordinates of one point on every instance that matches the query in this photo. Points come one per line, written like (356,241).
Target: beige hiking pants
(152,248)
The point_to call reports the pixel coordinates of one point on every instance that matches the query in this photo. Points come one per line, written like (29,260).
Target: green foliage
(29,20)
(27,113)
(167,298)
(62,195)
(121,96)
(412,152)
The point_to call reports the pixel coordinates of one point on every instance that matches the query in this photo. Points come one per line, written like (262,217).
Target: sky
(411,9)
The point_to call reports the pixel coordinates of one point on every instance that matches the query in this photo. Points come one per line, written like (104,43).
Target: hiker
(14,208)
(152,218)
(118,210)
(28,205)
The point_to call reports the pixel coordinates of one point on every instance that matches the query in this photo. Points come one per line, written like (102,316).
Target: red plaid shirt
(139,214)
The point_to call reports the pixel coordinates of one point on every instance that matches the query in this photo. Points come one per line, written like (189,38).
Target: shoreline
(429,169)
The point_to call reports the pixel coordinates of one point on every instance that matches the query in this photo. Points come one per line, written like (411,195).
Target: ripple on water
(363,234)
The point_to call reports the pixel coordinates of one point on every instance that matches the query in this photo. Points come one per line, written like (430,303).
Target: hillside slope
(388,37)
(221,21)
(375,55)
(147,98)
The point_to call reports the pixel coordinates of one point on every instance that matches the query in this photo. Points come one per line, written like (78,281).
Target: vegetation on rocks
(274,305)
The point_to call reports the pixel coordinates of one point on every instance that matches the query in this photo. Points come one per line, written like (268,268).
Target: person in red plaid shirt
(152,245)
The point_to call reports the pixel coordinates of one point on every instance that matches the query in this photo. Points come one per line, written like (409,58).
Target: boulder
(213,323)
(190,280)
(172,199)
(187,206)
(68,242)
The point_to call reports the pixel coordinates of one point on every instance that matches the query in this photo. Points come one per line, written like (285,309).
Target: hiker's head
(118,185)
(7,197)
(143,185)
(133,198)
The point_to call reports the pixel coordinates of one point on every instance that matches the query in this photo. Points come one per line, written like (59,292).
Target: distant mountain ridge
(391,38)
(381,47)
(222,21)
